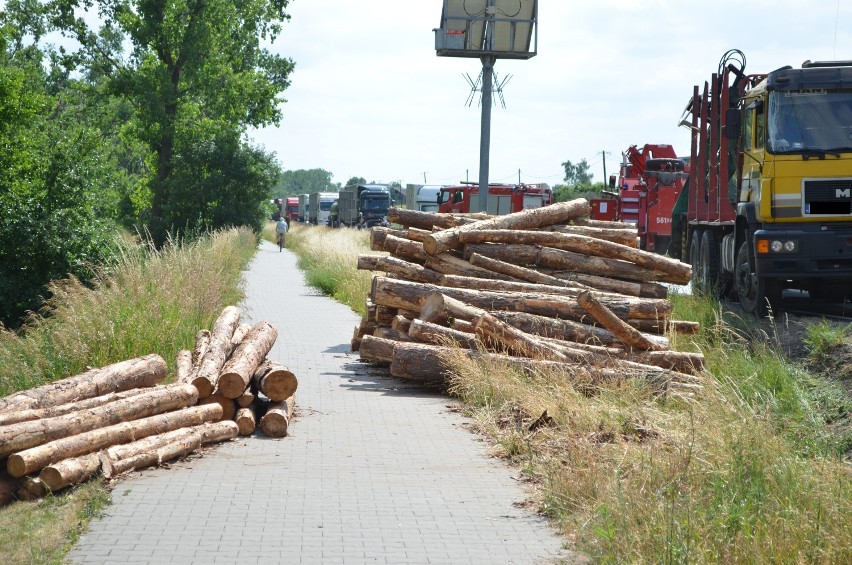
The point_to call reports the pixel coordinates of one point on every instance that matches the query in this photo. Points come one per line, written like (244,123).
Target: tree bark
(248,356)
(369,262)
(428,332)
(31,460)
(390,333)
(207,376)
(275,381)
(520,273)
(604,224)
(663,326)
(440,309)
(246,421)
(376,350)
(379,233)
(425,220)
(492,330)
(405,249)
(246,398)
(401,323)
(406,270)
(410,296)
(475,283)
(627,237)
(616,326)
(532,218)
(184,444)
(202,340)
(71,471)
(134,373)
(276,421)
(25,435)
(74,406)
(32,488)
(183,366)
(449,265)
(670,270)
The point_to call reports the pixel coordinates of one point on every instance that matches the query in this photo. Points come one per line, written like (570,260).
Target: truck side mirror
(440,197)
(612,181)
(733,123)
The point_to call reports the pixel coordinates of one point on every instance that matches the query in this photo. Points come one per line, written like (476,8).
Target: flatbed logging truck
(649,182)
(502,198)
(768,202)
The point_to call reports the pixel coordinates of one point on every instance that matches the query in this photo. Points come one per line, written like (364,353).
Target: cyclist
(281,230)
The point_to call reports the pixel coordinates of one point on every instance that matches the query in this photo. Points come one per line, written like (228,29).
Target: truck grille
(828,197)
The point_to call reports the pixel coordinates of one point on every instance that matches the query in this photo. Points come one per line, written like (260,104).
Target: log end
(16,466)
(52,479)
(204,387)
(430,245)
(274,425)
(231,385)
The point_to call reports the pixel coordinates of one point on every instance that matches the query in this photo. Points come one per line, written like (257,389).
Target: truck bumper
(822,254)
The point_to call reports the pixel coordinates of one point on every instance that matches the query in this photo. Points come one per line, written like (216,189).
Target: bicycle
(280,242)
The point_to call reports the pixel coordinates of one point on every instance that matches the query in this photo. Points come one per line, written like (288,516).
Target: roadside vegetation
(754,470)
(149,301)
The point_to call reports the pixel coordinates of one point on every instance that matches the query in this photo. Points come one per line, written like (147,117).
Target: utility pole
(424,176)
(604,154)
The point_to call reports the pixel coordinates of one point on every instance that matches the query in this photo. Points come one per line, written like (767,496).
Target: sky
(370,98)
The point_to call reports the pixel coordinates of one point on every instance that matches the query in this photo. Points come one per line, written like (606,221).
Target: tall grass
(149,301)
(749,472)
(329,257)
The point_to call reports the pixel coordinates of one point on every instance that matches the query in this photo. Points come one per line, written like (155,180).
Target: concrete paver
(375,470)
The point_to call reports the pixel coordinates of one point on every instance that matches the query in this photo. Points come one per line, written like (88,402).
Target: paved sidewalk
(375,470)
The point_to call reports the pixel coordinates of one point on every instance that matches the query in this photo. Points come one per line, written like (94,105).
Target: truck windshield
(375,204)
(325,206)
(799,122)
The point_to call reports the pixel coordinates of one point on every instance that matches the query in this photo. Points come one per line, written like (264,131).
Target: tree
(356,180)
(196,73)
(301,181)
(577,175)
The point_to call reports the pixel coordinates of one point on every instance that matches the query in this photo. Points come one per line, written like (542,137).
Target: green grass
(147,302)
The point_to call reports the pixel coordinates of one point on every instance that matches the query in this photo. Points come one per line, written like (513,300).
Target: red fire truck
(649,183)
(502,198)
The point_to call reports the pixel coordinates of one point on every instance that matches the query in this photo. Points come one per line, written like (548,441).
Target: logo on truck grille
(828,197)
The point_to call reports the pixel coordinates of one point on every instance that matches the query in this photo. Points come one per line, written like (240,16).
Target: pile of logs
(121,417)
(541,288)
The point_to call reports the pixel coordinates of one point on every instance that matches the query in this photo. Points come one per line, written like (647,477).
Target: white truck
(422,197)
(320,205)
(304,207)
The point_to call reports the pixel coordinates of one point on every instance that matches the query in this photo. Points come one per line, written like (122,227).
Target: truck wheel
(756,294)
(708,264)
(695,257)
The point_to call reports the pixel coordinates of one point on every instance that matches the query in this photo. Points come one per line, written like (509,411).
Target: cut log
(75,406)
(247,357)
(560,259)
(239,334)
(627,237)
(491,330)
(410,296)
(566,330)
(134,373)
(670,270)
(207,376)
(369,262)
(664,326)
(474,283)
(72,471)
(449,265)
(384,315)
(202,340)
(246,398)
(518,272)
(440,335)
(390,333)
(440,309)
(276,421)
(425,220)
(407,270)
(24,435)
(376,350)
(462,325)
(246,421)
(378,235)
(439,242)
(275,381)
(9,487)
(616,326)
(198,437)
(401,323)
(405,249)
(183,366)
(31,460)
(416,234)
(32,488)
(229,407)
(605,224)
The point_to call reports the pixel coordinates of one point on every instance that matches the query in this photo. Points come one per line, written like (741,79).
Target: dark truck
(363,205)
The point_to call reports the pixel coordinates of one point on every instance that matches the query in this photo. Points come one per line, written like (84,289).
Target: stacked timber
(122,417)
(541,288)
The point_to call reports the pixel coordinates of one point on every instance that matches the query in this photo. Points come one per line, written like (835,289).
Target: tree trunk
(440,309)
(518,272)
(202,340)
(406,270)
(277,418)
(474,283)
(565,330)
(664,326)
(196,437)
(401,323)
(379,233)
(428,332)
(134,373)
(248,356)
(462,326)
(207,376)
(560,259)
(72,471)
(604,224)
(275,381)
(531,218)
(616,326)
(369,262)
(183,366)
(25,435)
(627,237)
(670,270)
(449,265)
(74,406)
(491,330)
(239,335)
(410,296)
(229,407)
(31,460)
(425,220)
(376,350)
(246,421)
(405,249)
(246,398)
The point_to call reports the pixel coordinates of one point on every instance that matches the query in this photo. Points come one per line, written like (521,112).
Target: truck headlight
(766,246)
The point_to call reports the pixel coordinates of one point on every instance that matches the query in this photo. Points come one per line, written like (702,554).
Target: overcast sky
(370,98)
